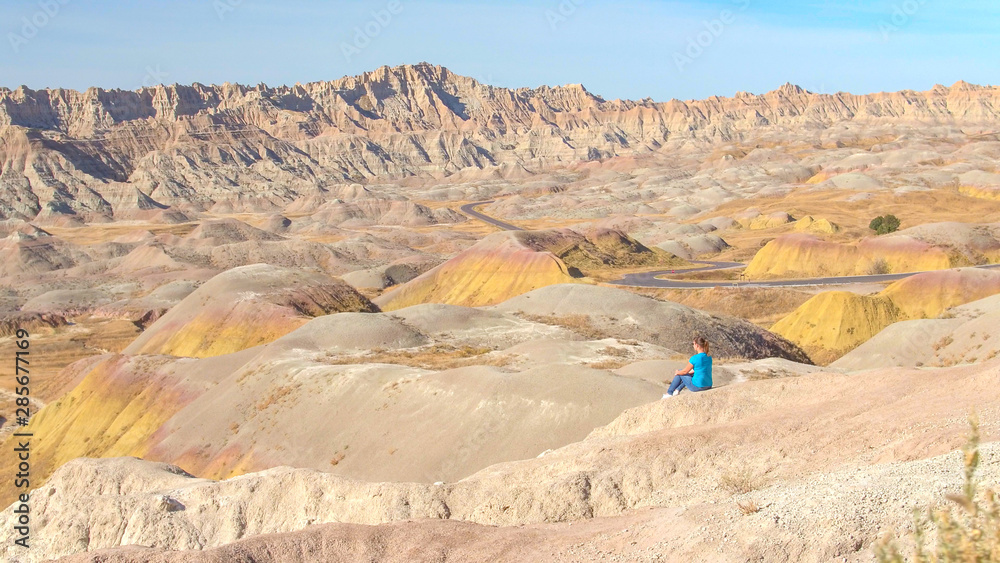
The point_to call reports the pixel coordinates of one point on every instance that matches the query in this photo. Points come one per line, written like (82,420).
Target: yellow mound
(112,412)
(769,221)
(246,307)
(980,192)
(508,264)
(927,296)
(820,178)
(835,322)
(755,221)
(215,332)
(495,269)
(805,256)
(808,224)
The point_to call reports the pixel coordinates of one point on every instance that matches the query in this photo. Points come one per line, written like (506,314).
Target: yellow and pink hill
(833,323)
(801,255)
(508,264)
(246,307)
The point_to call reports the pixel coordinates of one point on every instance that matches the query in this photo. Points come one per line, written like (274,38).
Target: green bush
(884,224)
(966,533)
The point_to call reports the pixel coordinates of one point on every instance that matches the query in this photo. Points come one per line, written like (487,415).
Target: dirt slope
(814,444)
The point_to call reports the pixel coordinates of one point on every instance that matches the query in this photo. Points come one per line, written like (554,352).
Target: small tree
(891,223)
(884,224)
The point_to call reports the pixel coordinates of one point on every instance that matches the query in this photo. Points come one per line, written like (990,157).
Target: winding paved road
(652,279)
(470,210)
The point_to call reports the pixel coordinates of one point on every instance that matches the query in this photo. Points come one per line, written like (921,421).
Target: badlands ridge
(262,328)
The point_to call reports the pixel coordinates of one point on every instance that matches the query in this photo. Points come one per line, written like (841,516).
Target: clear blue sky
(627,49)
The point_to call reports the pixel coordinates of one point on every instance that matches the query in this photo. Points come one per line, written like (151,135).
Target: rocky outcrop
(100,153)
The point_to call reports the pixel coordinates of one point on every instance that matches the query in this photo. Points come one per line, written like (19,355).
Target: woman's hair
(702,343)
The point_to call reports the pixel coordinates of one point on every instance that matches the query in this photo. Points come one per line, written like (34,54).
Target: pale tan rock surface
(817,445)
(655,534)
(427,393)
(234,148)
(963,335)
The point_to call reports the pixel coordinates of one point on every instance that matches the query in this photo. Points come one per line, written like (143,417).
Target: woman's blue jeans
(682,381)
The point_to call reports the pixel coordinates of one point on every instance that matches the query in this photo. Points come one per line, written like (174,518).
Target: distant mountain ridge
(64,152)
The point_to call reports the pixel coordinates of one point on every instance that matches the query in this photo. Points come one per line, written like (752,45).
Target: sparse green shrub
(967,532)
(884,224)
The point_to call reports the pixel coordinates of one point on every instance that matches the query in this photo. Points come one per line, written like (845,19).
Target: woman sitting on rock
(698,375)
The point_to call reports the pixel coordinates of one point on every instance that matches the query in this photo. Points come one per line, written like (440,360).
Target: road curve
(653,279)
(470,210)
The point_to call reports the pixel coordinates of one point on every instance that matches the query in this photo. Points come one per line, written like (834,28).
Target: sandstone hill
(178,251)
(508,264)
(99,154)
(829,469)
(495,269)
(374,395)
(245,307)
(833,323)
(805,256)
(963,335)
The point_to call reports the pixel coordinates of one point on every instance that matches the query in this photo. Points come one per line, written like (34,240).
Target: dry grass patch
(608,364)
(338,457)
(941,204)
(943,343)
(276,396)
(721,276)
(748,507)
(107,232)
(615,358)
(765,374)
(967,530)
(741,481)
(614,352)
(436,357)
(879,267)
(761,306)
(60,346)
(579,324)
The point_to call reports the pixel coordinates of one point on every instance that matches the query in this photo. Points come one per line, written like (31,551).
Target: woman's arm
(687,371)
